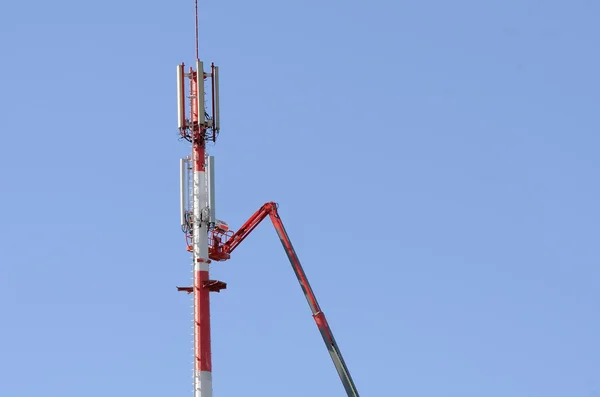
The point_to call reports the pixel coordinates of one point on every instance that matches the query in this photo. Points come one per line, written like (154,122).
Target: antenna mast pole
(197,203)
(196,4)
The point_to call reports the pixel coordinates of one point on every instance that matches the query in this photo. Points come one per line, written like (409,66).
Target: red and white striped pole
(202,346)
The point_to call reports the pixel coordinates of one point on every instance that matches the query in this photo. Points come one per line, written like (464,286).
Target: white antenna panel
(216,117)
(211,189)
(180,97)
(200,91)
(182,190)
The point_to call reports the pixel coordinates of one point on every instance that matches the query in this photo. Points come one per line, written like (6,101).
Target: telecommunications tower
(197,200)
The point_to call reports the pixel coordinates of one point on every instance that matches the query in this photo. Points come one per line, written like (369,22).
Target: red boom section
(219,252)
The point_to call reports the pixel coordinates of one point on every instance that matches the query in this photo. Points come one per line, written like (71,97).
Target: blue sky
(435,163)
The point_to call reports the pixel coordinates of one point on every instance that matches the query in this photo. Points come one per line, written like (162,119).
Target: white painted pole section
(204,379)
(200,90)
(180,98)
(182,190)
(211,189)
(200,225)
(216,116)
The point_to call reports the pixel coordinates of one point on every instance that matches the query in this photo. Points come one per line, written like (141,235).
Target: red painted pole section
(202,316)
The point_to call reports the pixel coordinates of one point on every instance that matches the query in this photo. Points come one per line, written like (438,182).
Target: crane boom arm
(270,209)
(246,228)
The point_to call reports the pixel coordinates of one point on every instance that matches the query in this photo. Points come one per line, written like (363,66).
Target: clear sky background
(436,165)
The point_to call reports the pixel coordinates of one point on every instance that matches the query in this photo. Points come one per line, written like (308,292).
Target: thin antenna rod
(197,55)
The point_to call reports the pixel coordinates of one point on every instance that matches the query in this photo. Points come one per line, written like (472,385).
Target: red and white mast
(197,203)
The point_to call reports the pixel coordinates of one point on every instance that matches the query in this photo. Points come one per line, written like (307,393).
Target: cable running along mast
(209,239)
